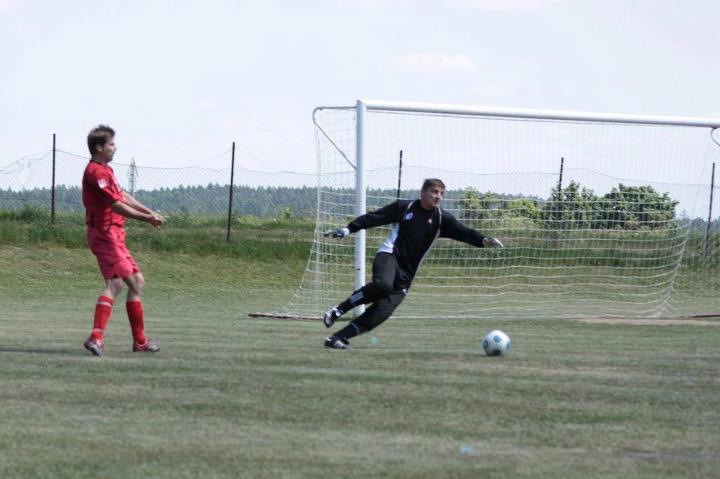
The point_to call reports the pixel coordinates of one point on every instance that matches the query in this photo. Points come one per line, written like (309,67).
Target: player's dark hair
(99,135)
(430,182)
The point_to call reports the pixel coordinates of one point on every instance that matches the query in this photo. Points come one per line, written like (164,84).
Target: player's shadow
(35,350)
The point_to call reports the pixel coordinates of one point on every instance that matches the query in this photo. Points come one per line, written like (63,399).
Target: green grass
(250,237)
(230,396)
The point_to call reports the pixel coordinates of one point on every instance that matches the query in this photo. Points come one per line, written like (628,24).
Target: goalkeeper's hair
(430,182)
(99,135)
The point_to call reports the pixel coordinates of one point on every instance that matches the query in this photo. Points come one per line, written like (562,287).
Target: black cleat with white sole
(333,342)
(331,315)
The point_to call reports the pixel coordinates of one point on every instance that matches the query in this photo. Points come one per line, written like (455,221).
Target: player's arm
(453,229)
(135,204)
(128,211)
(384,216)
(119,201)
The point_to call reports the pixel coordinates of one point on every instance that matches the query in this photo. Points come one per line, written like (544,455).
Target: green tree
(524,208)
(625,207)
(481,206)
(572,208)
(636,207)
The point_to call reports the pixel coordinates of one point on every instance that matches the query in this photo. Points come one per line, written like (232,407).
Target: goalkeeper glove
(490,242)
(337,233)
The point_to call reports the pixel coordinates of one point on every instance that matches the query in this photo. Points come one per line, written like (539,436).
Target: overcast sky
(181,80)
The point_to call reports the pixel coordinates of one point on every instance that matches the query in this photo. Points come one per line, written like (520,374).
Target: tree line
(572,207)
(575,207)
(212,199)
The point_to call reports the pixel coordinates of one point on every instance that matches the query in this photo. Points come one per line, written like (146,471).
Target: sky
(181,80)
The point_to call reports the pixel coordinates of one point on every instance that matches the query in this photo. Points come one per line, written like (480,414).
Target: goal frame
(361,108)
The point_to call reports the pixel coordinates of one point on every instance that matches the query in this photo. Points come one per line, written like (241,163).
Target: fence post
(559,204)
(52,190)
(709,221)
(399,175)
(230,202)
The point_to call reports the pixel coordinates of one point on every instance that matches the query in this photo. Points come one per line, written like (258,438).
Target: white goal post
(583,240)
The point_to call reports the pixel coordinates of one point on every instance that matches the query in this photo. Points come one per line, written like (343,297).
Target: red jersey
(100,189)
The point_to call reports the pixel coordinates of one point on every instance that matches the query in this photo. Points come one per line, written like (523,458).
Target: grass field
(230,396)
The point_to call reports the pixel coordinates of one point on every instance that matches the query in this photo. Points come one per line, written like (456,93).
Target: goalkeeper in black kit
(415,226)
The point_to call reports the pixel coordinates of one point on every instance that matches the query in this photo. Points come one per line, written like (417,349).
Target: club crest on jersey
(430,220)
(102,183)
(409,216)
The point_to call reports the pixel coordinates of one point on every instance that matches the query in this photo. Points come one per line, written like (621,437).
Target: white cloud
(429,62)
(505,5)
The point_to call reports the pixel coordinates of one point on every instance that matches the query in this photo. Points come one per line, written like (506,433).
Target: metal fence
(52,181)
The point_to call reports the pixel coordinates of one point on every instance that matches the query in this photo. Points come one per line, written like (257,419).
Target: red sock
(103,310)
(135,315)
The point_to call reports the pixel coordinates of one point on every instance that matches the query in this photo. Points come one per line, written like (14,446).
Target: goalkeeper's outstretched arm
(384,216)
(453,229)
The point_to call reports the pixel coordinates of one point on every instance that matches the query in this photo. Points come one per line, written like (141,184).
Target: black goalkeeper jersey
(414,229)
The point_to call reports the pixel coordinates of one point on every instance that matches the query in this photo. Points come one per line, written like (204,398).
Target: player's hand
(156,219)
(490,242)
(337,233)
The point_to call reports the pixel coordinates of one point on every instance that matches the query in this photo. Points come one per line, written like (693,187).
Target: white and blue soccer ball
(496,343)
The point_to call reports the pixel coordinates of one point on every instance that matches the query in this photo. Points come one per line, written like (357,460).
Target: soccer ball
(496,343)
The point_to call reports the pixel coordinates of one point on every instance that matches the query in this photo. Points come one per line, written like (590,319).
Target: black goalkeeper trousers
(386,291)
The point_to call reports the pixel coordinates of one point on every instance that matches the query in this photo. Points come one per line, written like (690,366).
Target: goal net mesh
(610,237)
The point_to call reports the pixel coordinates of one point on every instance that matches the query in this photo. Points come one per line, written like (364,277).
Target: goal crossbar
(530,114)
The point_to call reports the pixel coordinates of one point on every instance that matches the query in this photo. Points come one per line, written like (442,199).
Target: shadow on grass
(34,350)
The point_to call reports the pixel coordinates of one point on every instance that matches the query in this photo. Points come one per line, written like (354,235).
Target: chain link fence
(190,191)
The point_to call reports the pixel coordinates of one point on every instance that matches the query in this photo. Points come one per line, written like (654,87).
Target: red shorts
(112,255)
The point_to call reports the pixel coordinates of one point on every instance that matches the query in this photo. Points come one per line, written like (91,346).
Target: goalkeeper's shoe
(337,233)
(490,242)
(148,346)
(331,315)
(333,342)
(95,346)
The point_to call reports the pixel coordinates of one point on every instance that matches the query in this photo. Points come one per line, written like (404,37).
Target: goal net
(598,213)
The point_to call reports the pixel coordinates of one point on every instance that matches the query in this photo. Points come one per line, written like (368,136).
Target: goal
(595,210)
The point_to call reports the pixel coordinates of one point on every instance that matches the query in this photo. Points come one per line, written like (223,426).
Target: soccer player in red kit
(106,207)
